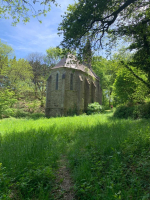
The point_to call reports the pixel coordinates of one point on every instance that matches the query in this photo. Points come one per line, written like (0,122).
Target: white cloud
(34,37)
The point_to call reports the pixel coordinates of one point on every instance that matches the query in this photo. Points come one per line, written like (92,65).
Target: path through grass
(108,158)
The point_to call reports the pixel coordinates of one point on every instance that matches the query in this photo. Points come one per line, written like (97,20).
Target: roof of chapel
(70,61)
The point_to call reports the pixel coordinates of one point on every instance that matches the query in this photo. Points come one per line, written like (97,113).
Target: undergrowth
(108,158)
(135,112)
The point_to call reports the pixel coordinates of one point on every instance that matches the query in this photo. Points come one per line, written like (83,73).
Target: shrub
(20,113)
(123,112)
(141,111)
(135,112)
(94,108)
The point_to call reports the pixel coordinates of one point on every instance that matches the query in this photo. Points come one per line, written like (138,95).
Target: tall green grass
(108,158)
(111,160)
(29,151)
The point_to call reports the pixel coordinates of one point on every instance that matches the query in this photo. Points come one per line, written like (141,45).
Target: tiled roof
(71,62)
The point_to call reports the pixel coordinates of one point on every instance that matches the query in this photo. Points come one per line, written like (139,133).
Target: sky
(34,37)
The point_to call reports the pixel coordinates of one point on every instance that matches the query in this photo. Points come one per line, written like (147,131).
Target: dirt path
(65,185)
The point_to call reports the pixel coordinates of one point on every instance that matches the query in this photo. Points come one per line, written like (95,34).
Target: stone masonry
(71,86)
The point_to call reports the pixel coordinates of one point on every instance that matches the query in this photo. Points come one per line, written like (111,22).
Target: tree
(15,79)
(7,99)
(14,75)
(41,72)
(18,76)
(128,89)
(106,70)
(95,18)
(116,18)
(53,56)
(6,52)
(87,54)
(24,9)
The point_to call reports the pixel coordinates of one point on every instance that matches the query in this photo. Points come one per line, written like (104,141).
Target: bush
(123,112)
(94,108)
(21,113)
(142,111)
(135,112)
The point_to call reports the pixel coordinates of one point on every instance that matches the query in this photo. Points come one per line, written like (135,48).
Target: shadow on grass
(106,155)
(111,160)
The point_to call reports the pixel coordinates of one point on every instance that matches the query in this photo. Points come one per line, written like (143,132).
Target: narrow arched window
(57,81)
(71,82)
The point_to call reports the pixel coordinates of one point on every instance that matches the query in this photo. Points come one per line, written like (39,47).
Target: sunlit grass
(109,158)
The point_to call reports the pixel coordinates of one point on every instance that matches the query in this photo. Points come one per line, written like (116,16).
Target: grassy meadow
(109,158)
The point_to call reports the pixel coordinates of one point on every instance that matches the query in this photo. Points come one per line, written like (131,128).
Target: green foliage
(142,111)
(20,80)
(7,99)
(5,50)
(32,106)
(94,108)
(5,54)
(19,74)
(124,112)
(29,109)
(53,56)
(126,87)
(111,21)
(35,181)
(23,114)
(14,75)
(86,54)
(106,71)
(93,20)
(24,9)
(141,44)
(135,112)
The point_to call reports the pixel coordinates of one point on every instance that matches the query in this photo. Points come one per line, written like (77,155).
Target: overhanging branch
(139,78)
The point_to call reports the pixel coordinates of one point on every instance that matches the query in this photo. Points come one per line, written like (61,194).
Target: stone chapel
(71,86)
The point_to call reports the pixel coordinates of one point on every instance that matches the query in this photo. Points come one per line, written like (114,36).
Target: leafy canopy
(5,50)
(24,9)
(94,19)
(115,19)
(19,75)
(127,87)
(53,56)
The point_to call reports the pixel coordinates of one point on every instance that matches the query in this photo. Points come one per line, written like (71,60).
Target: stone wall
(66,99)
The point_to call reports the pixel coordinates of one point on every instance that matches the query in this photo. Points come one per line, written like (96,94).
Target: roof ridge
(71,61)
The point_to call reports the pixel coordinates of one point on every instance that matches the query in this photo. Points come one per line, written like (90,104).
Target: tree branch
(143,81)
